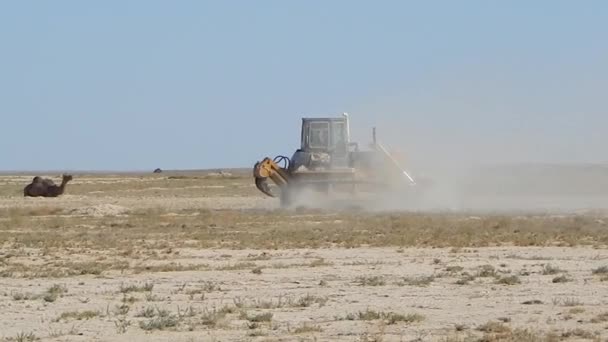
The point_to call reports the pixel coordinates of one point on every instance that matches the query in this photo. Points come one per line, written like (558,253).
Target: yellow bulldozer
(327,161)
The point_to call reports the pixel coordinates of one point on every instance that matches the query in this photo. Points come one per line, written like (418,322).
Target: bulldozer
(327,161)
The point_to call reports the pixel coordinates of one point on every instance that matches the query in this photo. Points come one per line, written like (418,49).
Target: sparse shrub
(168,267)
(237,266)
(548,269)
(147,287)
(209,286)
(150,297)
(77,315)
(494,327)
(390,317)
(24,337)
(261,256)
(257,270)
(308,300)
(238,302)
(578,332)
(256,333)
(575,311)
(409,318)
(147,312)
(600,270)
(227,309)
(350,317)
(122,309)
(454,269)
(54,292)
(128,299)
(508,280)
(121,325)
(257,318)
(418,281)
(466,278)
(161,322)
(370,281)
(603,317)
(567,302)
(460,327)
(368,315)
(533,301)
(486,271)
(212,318)
(24,296)
(319,262)
(307,328)
(561,279)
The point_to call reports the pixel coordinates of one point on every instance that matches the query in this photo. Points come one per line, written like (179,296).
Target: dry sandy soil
(204,257)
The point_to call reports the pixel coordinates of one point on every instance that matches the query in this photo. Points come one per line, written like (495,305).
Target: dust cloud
(461,179)
(479,176)
(491,142)
(479,138)
(507,188)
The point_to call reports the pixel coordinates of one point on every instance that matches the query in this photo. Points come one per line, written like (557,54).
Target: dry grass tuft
(601,318)
(569,301)
(561,279)
(389,317)
(370,281)
(580,333)
(307,328)
(600,270)
(54,292)
(549,269)
(215,317)
(163,320)
(418,281)
(454,269)
(22,337)
(508,280)
(465,279)
(146,287)
(576,311)
(77,315)
(494,327)
(257,318)
(486,271)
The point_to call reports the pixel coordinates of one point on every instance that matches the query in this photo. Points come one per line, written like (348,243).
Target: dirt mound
(100,210)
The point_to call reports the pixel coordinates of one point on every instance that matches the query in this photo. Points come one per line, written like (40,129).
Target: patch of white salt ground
(99,210)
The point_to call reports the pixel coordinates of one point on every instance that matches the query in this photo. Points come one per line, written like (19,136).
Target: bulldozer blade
(262,185)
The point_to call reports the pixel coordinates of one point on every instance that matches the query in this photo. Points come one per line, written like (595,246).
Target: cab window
(339,134)
(319,135)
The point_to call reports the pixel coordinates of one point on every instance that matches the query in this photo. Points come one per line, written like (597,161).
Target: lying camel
(40,187)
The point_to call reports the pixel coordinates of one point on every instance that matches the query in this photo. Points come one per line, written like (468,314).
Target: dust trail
(503,189)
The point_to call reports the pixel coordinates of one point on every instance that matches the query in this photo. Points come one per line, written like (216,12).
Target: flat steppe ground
(205,257)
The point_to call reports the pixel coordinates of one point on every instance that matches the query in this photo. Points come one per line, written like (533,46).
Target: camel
(41,187)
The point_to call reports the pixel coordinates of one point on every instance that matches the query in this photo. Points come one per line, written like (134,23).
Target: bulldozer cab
(329,135)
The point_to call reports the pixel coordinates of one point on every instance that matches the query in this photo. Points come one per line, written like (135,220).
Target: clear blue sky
(135,85)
